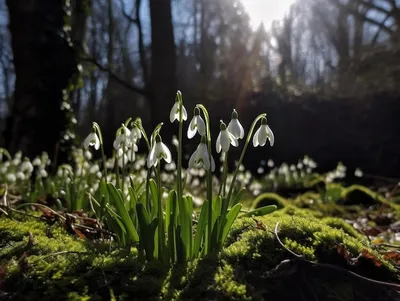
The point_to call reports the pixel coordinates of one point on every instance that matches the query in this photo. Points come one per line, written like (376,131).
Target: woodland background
(327,75)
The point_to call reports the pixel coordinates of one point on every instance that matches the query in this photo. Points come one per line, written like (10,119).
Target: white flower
(262,134)
(20,175)
(174,114)
(123,136)
(358,173)
(123,160)
(136,134)
(11,178)
(225,139)
(157,152)
(88,155)
(42,173)
(92,140)
(196,125)
(234,126)
(201,158)
(36,161)
(26,166)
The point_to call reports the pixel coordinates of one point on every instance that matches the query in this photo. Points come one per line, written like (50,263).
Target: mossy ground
(53,265)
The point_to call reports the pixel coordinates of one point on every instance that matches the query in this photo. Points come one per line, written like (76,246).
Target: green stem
(179,175)
(161,235)
(222,187)
(103,156)
(209,178)
(242,156)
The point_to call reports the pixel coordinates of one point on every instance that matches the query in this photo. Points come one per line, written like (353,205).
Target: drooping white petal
(86,143)
(270,136)
(203,155)
(201,126)
(225,140)
(135,134)
(262,136)
(184,113)
(172,114)
(151,158)
(192,159)
(166,154)
(118,141)
(192,128)
(255,138)
(212,164)
(218,143)
(123,160)
(233,139)
(236,129)
(96,142)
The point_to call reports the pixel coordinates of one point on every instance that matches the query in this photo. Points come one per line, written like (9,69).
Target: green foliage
(58,266)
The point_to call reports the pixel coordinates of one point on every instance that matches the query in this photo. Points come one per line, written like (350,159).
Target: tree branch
(138,23)
(115,77)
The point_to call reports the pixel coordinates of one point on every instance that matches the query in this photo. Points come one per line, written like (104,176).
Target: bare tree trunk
(163,82)
(44,63)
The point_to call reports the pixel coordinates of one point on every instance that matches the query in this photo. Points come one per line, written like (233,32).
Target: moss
(267,199)
(360,195)
(339,223)
(62,267)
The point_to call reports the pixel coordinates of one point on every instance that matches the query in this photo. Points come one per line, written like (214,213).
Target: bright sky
(266,10)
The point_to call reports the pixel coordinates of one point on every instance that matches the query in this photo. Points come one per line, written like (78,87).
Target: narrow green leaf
(120,205)
(154,197)
(201,229)
(230,218)
(170,223)
(147,243)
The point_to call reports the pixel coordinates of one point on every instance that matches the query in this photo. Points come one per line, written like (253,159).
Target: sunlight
(266,11)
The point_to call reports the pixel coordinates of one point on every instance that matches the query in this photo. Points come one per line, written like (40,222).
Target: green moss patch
(252,266)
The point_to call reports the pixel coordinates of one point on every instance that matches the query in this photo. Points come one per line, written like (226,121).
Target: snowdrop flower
(122,160)
(26,166)
(201,158)
(270,163)
(36,161)
(225,139)
(123,136)
(261,135)
(196,125)
(42,173)
(11,178)
(94,168)
(92,140)
(234,126)
(157,152)
(20,175)
(174,114)
(358,173)
(136,134)
(88,155)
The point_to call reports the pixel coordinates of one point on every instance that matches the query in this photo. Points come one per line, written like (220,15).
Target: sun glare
(266,11)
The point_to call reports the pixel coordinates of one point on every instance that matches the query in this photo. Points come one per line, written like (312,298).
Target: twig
(332,267)
(44,206)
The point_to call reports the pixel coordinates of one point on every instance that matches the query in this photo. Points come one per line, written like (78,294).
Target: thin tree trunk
(163,82)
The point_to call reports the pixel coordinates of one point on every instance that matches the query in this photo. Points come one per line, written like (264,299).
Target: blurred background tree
(329,67)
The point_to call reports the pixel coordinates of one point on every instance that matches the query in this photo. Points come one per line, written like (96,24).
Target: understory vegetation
(128,228)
